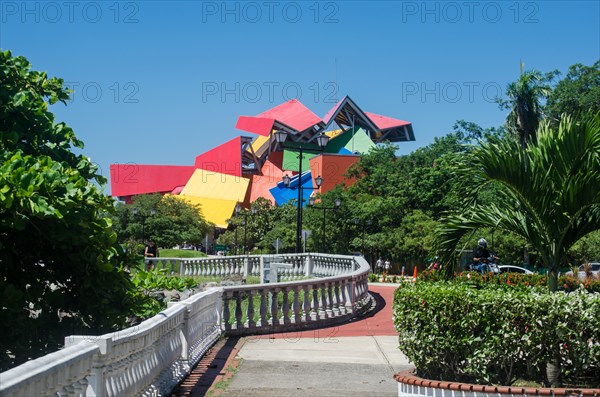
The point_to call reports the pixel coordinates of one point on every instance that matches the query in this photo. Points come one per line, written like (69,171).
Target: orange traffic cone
(415,275)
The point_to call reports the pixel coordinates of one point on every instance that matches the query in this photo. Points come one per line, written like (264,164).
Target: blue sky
(160,82)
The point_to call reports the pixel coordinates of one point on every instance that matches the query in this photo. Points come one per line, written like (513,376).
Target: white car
(581,273)
(513,269)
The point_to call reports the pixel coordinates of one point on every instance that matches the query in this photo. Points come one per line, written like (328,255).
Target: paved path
(354,359)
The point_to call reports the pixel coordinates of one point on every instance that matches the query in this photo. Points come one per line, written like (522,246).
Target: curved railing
(152,358)
(339,294)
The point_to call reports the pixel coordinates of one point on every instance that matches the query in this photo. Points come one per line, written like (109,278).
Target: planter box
(411,385)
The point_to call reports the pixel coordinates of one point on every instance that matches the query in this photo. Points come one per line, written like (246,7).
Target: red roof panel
(225,158)
(132,179)
(294,114)
(256,125)
(384,122)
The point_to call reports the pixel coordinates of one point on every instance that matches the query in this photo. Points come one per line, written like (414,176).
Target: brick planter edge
(411,385)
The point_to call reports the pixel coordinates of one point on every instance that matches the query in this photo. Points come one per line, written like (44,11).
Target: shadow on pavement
(206,371)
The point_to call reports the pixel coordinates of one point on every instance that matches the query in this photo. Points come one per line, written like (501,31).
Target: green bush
(496,335)
(513,280)
(147,286)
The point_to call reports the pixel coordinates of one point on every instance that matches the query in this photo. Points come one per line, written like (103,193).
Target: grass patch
(224,383)
(175,253)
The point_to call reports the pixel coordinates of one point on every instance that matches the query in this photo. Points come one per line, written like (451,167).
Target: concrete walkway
(354,359)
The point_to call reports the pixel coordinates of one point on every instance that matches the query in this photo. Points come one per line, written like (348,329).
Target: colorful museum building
(248,167)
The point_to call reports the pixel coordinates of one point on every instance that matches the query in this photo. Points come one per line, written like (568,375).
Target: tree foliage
(525,97)
(578,92)
(549,193)
(60,262)
(167,220)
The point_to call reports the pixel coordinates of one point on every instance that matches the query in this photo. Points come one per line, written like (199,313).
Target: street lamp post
(238,210)
(322,139)
(337,203)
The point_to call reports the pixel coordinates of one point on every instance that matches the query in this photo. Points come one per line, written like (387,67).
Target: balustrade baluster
(226,312)
(335,289)
(238,310)
(323,309)
(250,311)
(343,297)
(263,308)
(316,310)
(285,307)
(274,318)
(296,305)
(329,308)
(306,303)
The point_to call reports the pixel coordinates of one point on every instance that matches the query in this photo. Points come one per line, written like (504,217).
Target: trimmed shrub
(496,335)
(514,280)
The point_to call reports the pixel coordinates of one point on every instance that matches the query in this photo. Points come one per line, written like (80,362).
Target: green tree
(549,192)
(168,220)
(524,102)
(60,270)
(578,92)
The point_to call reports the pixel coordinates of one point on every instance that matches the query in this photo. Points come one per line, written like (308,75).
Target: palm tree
(524,103)
(549,190)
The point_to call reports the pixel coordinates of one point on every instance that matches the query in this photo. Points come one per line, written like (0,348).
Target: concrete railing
(152,358)
(146,360)
(302,266)
(339,294)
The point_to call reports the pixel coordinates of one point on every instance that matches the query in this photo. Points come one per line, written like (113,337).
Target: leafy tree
(549,192)
(167,220)
(524,103)
(578,92)
(60,270)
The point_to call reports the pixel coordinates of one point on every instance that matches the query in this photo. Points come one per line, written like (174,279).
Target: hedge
(515,280)
(496,335)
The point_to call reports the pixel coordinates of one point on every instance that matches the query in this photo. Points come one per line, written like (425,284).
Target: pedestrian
(151,251)
(379,266)
(403,270)
(387,266)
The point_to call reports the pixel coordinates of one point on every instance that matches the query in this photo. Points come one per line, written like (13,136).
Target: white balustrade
(151,358)
(341,294)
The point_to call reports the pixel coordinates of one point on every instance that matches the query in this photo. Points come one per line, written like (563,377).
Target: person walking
(379,266)
(387,267)
(151,251)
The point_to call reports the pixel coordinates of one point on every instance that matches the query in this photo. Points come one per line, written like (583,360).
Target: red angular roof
(292,114)
(132,179)
(384,122)
(225,158)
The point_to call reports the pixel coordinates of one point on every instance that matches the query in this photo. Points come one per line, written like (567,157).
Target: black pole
(323,243)
(299,214)
(236,241)
(245,228)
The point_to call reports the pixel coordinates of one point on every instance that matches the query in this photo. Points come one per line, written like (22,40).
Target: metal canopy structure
(347,115)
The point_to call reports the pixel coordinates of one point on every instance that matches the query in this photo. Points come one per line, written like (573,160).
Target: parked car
(581,273)
(513,269)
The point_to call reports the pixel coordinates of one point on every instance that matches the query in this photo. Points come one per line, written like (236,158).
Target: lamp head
(318,181)
(280,136)
(322,140)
